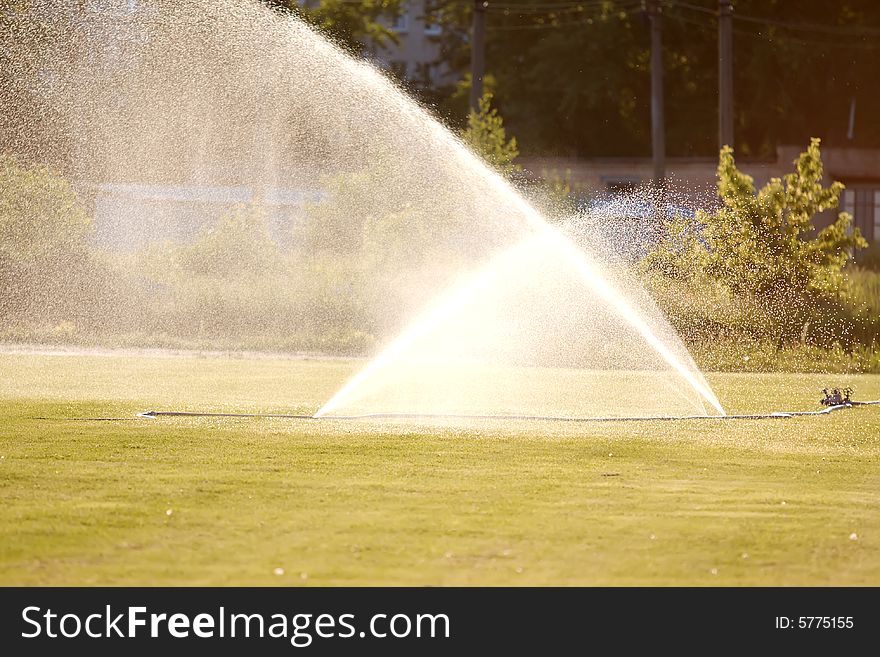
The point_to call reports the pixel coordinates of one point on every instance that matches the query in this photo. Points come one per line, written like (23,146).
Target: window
(863,203)
(400,22)
(877,215)
(848,205)
(423,74)
(432,27)
(849,202)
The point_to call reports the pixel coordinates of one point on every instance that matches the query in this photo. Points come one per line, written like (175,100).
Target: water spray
(133,101)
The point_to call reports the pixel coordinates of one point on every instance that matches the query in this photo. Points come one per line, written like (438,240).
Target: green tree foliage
(44,228)
(486,135)
(455,105)
(764,241)
(238,246)
(760,249)
(382,250)
(574,78)
(236,284)
(355,23)
(796,82)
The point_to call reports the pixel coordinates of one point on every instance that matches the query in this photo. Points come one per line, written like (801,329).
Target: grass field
(229,501)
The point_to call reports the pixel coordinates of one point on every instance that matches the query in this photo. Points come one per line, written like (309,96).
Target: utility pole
(478,53)
(725,73)
(658,130)
(851,127)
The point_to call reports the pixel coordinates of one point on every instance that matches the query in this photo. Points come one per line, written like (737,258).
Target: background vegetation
(486,135)
(573,78)
(751,285)
(757,269)
(233,287)
(352,23)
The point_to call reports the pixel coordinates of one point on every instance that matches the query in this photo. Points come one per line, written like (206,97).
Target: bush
(45,263)
(382,247)
(235,286)
(238,247)
(485,134)
(757,265)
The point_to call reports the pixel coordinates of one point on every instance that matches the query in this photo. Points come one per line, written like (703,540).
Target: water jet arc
(546,237)
(400,209)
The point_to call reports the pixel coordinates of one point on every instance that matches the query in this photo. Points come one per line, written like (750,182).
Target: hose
(546,418)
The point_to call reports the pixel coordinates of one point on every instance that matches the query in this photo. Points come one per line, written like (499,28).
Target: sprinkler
(836,397)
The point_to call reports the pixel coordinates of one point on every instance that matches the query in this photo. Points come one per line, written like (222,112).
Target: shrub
(238,246)
(757,264)
(44,256)
(236,286)
(486,135)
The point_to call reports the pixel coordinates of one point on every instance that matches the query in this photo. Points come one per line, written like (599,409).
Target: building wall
(131,216)
(695,178)
(859,170)
(416,55)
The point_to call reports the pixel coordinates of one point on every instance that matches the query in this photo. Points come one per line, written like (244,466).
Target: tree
(238,246)
(570,80)
(355,23)
(44,230)
(762,245)
(486,135)
(574,78)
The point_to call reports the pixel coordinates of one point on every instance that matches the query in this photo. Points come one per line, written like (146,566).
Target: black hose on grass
(154,414)
(776,415)
(545,418)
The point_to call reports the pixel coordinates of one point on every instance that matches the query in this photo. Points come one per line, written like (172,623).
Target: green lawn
(227,501)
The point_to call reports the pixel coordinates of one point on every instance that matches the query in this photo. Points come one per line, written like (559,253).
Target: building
(130,216)
(858,169)
(416,55)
